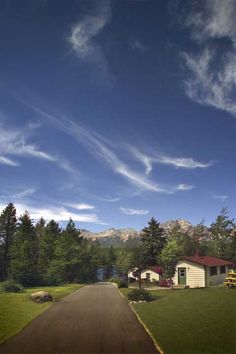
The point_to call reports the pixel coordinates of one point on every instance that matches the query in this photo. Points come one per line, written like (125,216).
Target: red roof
(156,269)
(207,260)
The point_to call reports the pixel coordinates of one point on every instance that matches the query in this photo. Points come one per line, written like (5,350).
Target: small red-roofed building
(201,271)
(150,273)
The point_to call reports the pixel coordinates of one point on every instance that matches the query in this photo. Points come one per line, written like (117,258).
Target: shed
(150,273)
(201,271)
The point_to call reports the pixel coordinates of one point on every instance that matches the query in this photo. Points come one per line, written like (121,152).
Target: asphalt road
(92,320)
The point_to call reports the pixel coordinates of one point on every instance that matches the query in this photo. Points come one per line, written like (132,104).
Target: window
(222,270)
(148,276)
(213,271)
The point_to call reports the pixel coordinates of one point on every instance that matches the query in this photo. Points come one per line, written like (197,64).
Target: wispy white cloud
(184,187)
(158,158)
(215,18)
(55,213)
(13,142)
(212,71)
(146,160)
(182,162)
(7,161)
(108,200)
(137,45)
(84,32)
(16,193)
(81,206)
(129,211)
(99,148)
(220,197)
(33,125)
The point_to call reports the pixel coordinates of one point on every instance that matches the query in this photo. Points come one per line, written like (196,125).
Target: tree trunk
(139,279)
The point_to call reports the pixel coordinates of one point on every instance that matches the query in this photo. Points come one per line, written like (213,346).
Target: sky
(113,112)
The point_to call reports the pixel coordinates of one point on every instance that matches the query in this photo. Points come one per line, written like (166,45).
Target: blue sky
(112,112)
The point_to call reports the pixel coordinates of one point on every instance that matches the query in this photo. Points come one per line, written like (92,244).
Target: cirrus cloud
(211,76)
(129,211)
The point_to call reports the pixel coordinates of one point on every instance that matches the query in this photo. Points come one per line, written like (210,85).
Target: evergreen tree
(65,267)
(49,234)
(109,261)
(24,253)
(90,260)
(7,230)
(124,260)
(153,241)
(221,235)
(40,228)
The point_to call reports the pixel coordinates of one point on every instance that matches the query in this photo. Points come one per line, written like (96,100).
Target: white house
(150,273)
(201,271)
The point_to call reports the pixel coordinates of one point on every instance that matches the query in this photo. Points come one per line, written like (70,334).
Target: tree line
(45,254)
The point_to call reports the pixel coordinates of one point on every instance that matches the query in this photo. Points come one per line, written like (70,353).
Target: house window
(148,276)
(222,270)
(213,271)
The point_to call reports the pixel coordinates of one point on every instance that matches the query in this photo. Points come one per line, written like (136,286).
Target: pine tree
(48,235)
(153,241)
(66,265)
(73,232)
(7,230)
(110,259)
(24,252)
(221,234)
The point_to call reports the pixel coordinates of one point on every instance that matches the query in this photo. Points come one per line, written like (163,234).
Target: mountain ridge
(130,233)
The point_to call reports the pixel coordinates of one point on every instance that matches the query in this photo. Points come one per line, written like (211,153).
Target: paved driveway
(92,320)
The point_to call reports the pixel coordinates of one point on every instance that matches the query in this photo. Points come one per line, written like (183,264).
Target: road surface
(92,320)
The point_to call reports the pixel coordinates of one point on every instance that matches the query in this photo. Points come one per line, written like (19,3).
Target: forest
(43,253)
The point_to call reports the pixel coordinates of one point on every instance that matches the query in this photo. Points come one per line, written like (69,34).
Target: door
(182,276)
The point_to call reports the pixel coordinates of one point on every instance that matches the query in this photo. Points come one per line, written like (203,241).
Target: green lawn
(17,310)
(192,321)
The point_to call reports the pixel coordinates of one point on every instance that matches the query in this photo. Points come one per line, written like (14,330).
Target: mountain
(184,225)
(117,237)
(122,234)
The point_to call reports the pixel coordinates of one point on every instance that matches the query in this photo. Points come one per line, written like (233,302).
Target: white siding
(130,274)
(153,275)
(195,274)
(216,279)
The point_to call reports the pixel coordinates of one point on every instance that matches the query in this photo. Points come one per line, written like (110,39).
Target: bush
(132,280)
(11,286)
(139,295)
(166,283)
(122,284)
(114,280)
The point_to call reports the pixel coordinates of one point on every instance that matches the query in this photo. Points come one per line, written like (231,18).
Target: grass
(17,310)
(191,321)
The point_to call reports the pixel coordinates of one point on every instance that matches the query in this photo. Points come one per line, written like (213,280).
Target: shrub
(132,280)
(122,284)
(114,280)
(11,286)
(139,295)
(166,283)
